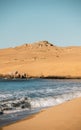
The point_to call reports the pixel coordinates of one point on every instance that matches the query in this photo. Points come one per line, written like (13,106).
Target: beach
(38,76)
(40,65)
(66,116)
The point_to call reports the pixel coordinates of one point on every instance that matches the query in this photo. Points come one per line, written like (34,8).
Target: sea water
(21,98)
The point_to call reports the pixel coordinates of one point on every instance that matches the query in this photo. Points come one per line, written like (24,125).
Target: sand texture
(66,116)
(41,59)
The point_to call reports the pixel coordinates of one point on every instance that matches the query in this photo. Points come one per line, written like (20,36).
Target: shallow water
(21,98)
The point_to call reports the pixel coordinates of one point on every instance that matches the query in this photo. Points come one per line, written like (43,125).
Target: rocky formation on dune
(36,44)
(43,44)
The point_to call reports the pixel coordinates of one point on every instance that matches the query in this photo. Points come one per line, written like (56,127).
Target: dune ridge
(42,59)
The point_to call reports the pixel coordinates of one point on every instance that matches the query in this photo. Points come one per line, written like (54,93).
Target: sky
(28,21)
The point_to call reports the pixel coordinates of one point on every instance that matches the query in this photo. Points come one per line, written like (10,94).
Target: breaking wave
(27,103)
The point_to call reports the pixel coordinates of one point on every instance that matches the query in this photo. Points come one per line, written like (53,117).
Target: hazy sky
(27,21)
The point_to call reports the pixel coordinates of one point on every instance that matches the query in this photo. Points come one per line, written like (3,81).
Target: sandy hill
(41,58)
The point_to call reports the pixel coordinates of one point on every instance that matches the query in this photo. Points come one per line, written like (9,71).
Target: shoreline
(67,112)
(22,119)
(39,77)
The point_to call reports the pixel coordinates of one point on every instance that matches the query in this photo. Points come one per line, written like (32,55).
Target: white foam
(51,101)
(14,111)
(5,96)
(44,102)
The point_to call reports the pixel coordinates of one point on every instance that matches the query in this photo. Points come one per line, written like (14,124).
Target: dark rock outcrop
(23,75)
(14,75)
(1,111)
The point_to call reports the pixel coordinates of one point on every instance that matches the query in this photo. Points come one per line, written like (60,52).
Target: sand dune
(41,58)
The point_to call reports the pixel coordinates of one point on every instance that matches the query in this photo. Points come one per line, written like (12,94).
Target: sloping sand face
(66,116)
(41,59)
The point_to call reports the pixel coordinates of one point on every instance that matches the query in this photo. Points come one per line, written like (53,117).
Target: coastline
(43,60)
(8,76)
(66,116)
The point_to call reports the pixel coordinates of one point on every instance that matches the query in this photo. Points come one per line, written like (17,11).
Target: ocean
(21,98)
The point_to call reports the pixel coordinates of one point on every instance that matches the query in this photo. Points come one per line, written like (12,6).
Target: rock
(23,106)
(23,75)
(17,76)
(1,76)
(16,72)
(12,75)
(7,76)
(3,105)
(26,105)
(7,108)
(43,44)
(25,98)
(22,102)
(1,112)
(16,104)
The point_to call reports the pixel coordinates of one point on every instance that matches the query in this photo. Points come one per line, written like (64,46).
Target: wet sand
(66,116)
